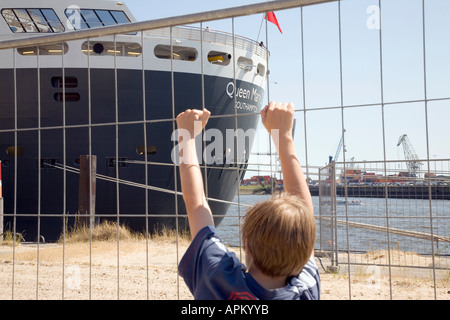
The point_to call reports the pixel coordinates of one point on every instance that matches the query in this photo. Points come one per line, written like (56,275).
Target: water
(405,214)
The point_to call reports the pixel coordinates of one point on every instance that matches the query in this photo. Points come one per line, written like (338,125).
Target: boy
(278,234)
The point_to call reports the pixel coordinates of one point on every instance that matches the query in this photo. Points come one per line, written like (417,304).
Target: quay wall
(393,191)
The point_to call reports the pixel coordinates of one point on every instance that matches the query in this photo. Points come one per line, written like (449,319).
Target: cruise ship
(115,98)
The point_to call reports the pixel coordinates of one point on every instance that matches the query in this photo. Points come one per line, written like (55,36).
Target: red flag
(270,16)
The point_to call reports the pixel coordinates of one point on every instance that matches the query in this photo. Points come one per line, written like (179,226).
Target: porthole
(6,163)
(98,48)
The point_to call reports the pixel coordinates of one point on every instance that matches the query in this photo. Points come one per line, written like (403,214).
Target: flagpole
(260,27)
(268,100)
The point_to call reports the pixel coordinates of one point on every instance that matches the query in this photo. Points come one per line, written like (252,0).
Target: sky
(353,74)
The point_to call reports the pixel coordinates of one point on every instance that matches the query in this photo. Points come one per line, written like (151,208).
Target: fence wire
(384,217)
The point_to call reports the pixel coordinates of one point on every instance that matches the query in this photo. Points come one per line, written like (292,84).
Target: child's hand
(193,121)
(278,116)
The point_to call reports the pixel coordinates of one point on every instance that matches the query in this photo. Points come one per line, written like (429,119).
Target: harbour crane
(412,159)
(338,151)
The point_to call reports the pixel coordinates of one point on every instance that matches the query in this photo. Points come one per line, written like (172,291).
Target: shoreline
(251,190)
(377,191)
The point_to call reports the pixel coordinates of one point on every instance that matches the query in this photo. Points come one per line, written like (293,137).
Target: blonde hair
(280,235)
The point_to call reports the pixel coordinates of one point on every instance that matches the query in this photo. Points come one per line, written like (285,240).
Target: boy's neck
(267,282)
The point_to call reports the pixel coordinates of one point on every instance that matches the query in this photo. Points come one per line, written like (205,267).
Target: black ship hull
(47,123)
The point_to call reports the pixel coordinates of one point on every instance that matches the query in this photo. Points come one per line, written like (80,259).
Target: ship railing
(210,36)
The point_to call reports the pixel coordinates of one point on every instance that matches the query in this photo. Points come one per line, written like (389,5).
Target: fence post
(334,248)
(1,205)
(86,190)
(327,214)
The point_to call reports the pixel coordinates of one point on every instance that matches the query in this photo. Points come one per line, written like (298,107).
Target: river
(404,214)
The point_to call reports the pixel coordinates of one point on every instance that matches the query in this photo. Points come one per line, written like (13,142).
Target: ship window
(48,163)
(69,96)
(11,19)
(39,19)
(261,69)
(120,16)
(32,20)
(121,162)
(245,63)
(75,19)
(53,20)
(220,58)
(111,48)
(178,53)
(106,17)
(44,50)
(91,18)
(69,82)
(26,21)
(11,151)
(141,150)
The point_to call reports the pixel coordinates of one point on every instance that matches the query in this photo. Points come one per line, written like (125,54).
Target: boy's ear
(248,256)
(246,247)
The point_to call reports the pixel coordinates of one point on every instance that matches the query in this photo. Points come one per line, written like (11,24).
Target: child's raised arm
(277,118)
(190,123)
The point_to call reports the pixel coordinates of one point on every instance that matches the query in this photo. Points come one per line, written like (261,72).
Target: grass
(80,242)
(8,238)
(110,231)
(106,231)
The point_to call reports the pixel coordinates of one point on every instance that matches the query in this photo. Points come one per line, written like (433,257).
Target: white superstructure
(213,56)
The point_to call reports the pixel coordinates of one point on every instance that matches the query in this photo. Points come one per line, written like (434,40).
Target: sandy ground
(106,271)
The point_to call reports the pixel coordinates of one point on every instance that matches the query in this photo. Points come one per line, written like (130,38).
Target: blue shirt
(212,272)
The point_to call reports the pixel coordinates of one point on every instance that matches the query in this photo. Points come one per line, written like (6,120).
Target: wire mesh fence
(370,212)
(100,105)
